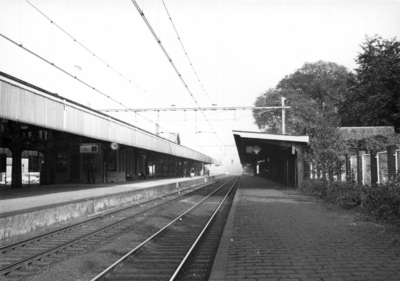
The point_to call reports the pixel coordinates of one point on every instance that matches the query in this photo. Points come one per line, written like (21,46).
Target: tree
(314,94)
(374,99)
(324,82)
(271,120)
(326,144)
(315,86)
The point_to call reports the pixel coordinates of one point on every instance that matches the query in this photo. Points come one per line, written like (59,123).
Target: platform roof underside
(266,142)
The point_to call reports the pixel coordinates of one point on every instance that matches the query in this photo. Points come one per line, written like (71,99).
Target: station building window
(43,135)
(61,162)
(34,163)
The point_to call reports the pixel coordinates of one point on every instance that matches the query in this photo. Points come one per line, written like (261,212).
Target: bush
(316,187)
(382,201)
(345,194)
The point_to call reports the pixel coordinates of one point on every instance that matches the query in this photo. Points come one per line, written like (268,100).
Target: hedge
(380,200)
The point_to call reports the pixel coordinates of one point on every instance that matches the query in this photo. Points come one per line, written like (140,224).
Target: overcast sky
(239,49)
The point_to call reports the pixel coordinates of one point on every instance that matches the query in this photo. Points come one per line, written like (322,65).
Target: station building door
(75,167)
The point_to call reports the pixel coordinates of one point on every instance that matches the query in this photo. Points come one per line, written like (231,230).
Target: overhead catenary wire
(186,54)
(73,76)
(92,87)
(78,79)
(94,55)
(119,73)
(172,63)
(221,126)
(214,113)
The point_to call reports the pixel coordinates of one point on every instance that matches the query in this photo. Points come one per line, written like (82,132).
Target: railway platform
(274,233)
(37,207)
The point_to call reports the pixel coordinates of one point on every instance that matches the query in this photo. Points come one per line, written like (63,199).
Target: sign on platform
(89,148)
(249,149)
(256,149)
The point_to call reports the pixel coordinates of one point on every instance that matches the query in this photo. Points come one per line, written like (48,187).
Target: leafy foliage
(271,120)
(381,201)
(376,142)
(314,93)
(374,98)
(313,89)
(323,82)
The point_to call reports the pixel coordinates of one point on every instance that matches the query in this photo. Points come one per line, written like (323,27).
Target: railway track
(25,258)
(171,253)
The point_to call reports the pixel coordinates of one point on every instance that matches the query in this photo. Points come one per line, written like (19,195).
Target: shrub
(345,194)
(382,201)
(316,187)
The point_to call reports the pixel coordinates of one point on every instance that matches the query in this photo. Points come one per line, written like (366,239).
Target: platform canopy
(272,156)
(251,145)
(30,105)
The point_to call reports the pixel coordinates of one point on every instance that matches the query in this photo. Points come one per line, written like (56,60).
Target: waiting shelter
(273,156)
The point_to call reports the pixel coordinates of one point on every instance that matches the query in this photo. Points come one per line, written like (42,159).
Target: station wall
(365,167)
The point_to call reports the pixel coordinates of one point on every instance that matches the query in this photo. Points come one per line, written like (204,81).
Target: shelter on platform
(64,141)
(272,156)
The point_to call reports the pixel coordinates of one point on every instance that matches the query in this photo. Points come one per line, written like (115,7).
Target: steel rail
(117,263)
(85,222)
(178,269)
(8,268)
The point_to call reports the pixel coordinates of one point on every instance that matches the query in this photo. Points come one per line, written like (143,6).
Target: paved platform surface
(278,234)
(35,196)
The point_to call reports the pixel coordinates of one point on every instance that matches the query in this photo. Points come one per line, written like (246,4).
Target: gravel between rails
(85,263)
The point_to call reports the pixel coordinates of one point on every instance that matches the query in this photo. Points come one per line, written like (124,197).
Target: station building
(49,139)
